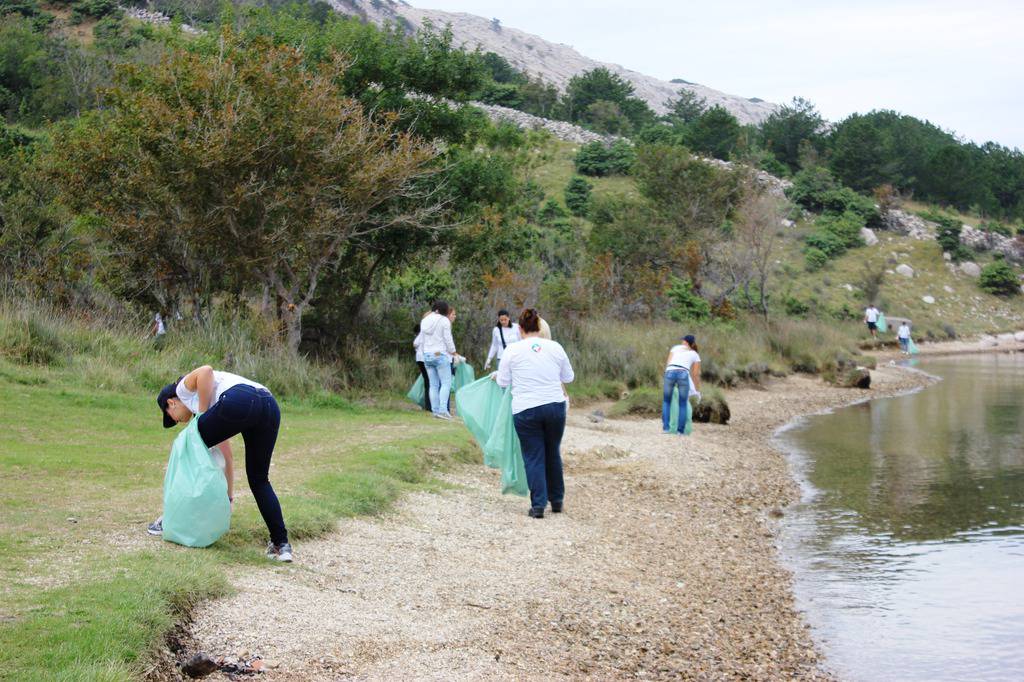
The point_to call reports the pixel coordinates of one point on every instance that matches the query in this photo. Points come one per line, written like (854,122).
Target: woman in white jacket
(505,332)
(438,351)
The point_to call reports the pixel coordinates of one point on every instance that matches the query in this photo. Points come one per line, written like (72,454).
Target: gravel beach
(663,566)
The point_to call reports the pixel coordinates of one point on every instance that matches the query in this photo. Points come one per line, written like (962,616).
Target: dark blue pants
(254,414)
(540,432)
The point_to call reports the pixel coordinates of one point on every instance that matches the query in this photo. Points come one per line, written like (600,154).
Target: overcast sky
(958,64)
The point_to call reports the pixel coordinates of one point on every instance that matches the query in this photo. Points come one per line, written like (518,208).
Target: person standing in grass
(903,336)
(228,405)
(871,320)
(536,368)
(505,332)
(438,352)
(682,366)
(417,344)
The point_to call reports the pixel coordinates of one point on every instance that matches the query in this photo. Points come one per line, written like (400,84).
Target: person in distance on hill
(871,320)
(228,405)
(438,352)
(682,366)
(505,332)
(536,368)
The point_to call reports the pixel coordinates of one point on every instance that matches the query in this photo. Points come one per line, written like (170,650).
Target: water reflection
(909,544)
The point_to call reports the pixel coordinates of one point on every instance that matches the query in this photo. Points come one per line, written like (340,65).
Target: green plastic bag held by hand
(197,511)
(415,393)
(883,326)
(673,422)
(486,409)
(911,347)
(478,404)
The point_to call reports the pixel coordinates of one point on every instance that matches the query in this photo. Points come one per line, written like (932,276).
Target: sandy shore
(663,566)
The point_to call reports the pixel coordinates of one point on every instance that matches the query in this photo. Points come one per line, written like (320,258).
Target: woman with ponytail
(536,368)
(682,365)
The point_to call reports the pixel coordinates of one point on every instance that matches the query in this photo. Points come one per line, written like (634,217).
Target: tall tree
(783,132)
(247,167)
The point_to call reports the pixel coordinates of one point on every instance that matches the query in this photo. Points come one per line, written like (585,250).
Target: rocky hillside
(554,62)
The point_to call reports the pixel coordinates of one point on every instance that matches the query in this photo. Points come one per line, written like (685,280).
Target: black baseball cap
(689,338)
(167,392)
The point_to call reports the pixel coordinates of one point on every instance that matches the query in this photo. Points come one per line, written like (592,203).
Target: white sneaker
(446,417)
(157,527)
(282,552)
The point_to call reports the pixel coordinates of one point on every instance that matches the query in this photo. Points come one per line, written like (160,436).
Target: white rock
(970,269)
(1019,336)
(928,299)
(848,287)
(1008,337)
(868,235)
(947,256)
(948,289)
(988,341)
(904,270)
(786,223)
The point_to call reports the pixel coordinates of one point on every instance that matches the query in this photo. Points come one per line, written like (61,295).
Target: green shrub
(687,304)
(814,258)
(598,159)
(93,8)
(1000,279)
(795,307)
(816,189)
(577,196)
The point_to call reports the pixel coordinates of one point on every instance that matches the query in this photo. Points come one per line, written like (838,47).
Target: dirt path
(662,566)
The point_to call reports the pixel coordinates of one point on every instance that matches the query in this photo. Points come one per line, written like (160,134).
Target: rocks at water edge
(855,377)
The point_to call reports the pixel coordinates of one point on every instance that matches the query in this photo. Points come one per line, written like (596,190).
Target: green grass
(91,598)
(557,168)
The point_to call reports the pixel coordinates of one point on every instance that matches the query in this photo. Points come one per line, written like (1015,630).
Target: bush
(598,159)
(577,196)
(817,190)
(815,258)
(93,8)
(795,307)
(687,304)
(999,278)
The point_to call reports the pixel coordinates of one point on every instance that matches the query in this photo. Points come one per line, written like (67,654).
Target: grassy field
(85,593)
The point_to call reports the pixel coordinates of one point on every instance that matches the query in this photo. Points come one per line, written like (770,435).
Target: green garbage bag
(415,393)
(911,347)
(883,326)
(673,422)
(196,506)
(486,409)
(464,376)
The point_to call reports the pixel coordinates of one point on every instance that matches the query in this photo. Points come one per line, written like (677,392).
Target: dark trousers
(254,414)
(540,432)
(426,385)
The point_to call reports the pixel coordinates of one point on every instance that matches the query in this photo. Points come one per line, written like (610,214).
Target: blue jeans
(675,378)
(253,413)
(904,344)
(439,374)
(540,432)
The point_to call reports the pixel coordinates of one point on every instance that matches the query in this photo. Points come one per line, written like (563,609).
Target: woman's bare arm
(200,382)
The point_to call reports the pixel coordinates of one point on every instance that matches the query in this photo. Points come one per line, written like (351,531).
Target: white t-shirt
(417,343)
(222,381)
(903,332)
(871,314)
(511,335)
(160,328)
(536,368)
(681,356)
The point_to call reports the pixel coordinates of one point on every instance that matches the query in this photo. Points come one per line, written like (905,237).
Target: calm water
(908,545)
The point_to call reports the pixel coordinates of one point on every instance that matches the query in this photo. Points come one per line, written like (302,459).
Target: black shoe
(536,513)
(556,507)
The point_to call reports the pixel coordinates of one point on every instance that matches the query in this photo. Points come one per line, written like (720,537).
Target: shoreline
(665,565)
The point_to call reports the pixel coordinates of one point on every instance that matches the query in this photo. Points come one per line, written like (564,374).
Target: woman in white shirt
(228,405)
(536,368)
(417,345)
(438,351)
(505,332)
(903,336)
(682,365)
